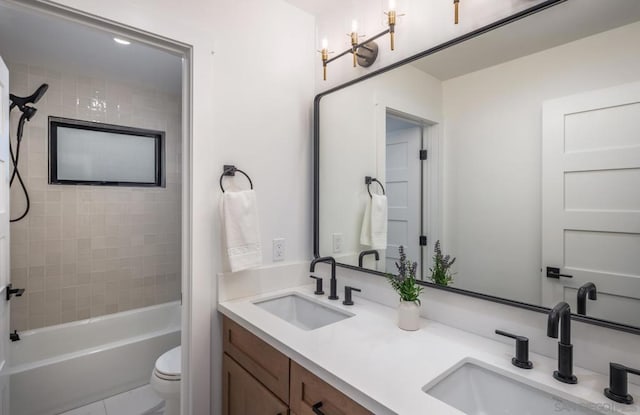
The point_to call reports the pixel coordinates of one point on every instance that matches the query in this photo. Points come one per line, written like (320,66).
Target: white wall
(425,24)
(352,146)
(252,79)
(493,140)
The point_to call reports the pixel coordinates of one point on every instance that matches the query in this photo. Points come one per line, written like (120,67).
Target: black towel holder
(230,170)
(368,180)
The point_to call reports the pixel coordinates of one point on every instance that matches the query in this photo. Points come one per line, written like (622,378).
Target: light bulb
(354,26)
(392,5)
(325,43)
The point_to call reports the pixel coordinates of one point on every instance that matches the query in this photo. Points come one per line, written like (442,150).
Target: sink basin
(476,390)
(302,312)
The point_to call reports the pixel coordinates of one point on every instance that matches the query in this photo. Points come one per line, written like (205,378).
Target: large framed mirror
(517,147)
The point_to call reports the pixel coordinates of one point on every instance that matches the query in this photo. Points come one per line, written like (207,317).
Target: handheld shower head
(29,111)
(21,102)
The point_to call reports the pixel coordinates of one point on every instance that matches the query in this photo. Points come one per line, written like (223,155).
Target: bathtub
(58,368)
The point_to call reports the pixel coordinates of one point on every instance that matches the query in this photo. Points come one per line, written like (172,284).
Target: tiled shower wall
(85,251)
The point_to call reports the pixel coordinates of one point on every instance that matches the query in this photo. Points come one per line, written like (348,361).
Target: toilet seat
(169,365)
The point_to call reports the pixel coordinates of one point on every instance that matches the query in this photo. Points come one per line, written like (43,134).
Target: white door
(403,186)
(4,237)
(591,200)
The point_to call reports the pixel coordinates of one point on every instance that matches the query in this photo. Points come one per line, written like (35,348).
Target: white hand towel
(365,233)
(242,232)
(378,222)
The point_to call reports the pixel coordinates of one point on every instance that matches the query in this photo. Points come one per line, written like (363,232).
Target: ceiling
(318,7)
(561,24)
(60,44)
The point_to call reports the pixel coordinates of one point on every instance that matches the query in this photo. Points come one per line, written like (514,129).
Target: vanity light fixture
(456,3)
(364,53)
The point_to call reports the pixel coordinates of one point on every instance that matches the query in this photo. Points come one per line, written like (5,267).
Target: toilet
(165,380)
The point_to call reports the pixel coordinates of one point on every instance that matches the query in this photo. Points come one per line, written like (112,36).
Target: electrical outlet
(278,249)
(338,243)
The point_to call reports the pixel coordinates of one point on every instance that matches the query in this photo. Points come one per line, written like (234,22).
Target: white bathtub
(62,367)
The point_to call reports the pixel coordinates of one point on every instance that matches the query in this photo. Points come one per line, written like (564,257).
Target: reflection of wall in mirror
(352,146)
(492,153)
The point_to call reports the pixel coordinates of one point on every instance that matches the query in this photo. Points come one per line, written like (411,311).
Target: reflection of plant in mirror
(441,271)
(405,282)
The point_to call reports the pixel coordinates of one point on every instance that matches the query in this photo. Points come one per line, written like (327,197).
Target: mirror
(532,163)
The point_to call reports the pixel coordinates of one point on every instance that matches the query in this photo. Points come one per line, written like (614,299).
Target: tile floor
(140,401)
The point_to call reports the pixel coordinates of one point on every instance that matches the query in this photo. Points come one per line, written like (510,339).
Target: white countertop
(384,368)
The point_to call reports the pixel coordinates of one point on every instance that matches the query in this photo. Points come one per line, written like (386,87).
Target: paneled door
(591,201)
(4,237)
(404,192)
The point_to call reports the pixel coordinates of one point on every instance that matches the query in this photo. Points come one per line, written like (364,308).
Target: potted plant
(405,285)
(441,271)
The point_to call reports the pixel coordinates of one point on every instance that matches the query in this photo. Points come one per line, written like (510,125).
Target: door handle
(555,273)
(13,291)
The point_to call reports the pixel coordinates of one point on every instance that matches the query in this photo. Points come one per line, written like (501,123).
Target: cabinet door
(309,391)
(264,362)
(244,395)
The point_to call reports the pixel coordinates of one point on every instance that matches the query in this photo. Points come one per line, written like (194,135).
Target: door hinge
(423,154)
(423,240)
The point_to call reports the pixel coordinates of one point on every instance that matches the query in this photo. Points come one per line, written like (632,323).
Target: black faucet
(365,253)
(587,289)
(618,387)
(521,359)
(560,315)
(318,290)
(333,294)
(348,300)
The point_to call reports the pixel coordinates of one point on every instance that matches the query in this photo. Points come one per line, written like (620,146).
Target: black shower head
(28,112)
(21,102)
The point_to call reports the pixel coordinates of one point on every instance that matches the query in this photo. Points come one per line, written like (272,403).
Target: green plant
(405,281)
(441,271)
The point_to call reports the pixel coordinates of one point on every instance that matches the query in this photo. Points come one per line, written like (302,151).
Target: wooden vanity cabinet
(244,395)
(266,364)
(308,390)
(259,380)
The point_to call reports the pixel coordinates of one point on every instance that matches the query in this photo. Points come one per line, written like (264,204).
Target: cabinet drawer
(308,390)
(264,362)
(244,395)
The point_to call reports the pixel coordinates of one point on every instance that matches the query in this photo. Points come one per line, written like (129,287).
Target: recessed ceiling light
(121,41)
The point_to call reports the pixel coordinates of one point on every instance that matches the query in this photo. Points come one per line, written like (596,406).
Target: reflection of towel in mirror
(241,229)
(374,223)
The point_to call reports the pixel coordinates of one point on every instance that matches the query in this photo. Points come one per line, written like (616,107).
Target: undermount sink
(476,390)
(302,312)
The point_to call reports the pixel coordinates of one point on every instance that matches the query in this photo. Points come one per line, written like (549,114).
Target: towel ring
(230,170)
(368,180)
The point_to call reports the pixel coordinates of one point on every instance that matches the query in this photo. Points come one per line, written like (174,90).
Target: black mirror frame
(316,170)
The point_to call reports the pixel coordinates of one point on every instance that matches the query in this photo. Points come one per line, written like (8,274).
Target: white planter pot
(408,315)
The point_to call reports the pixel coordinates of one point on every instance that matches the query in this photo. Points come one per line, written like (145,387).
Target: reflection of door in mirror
(590,182)
(354,145)
(404,190)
